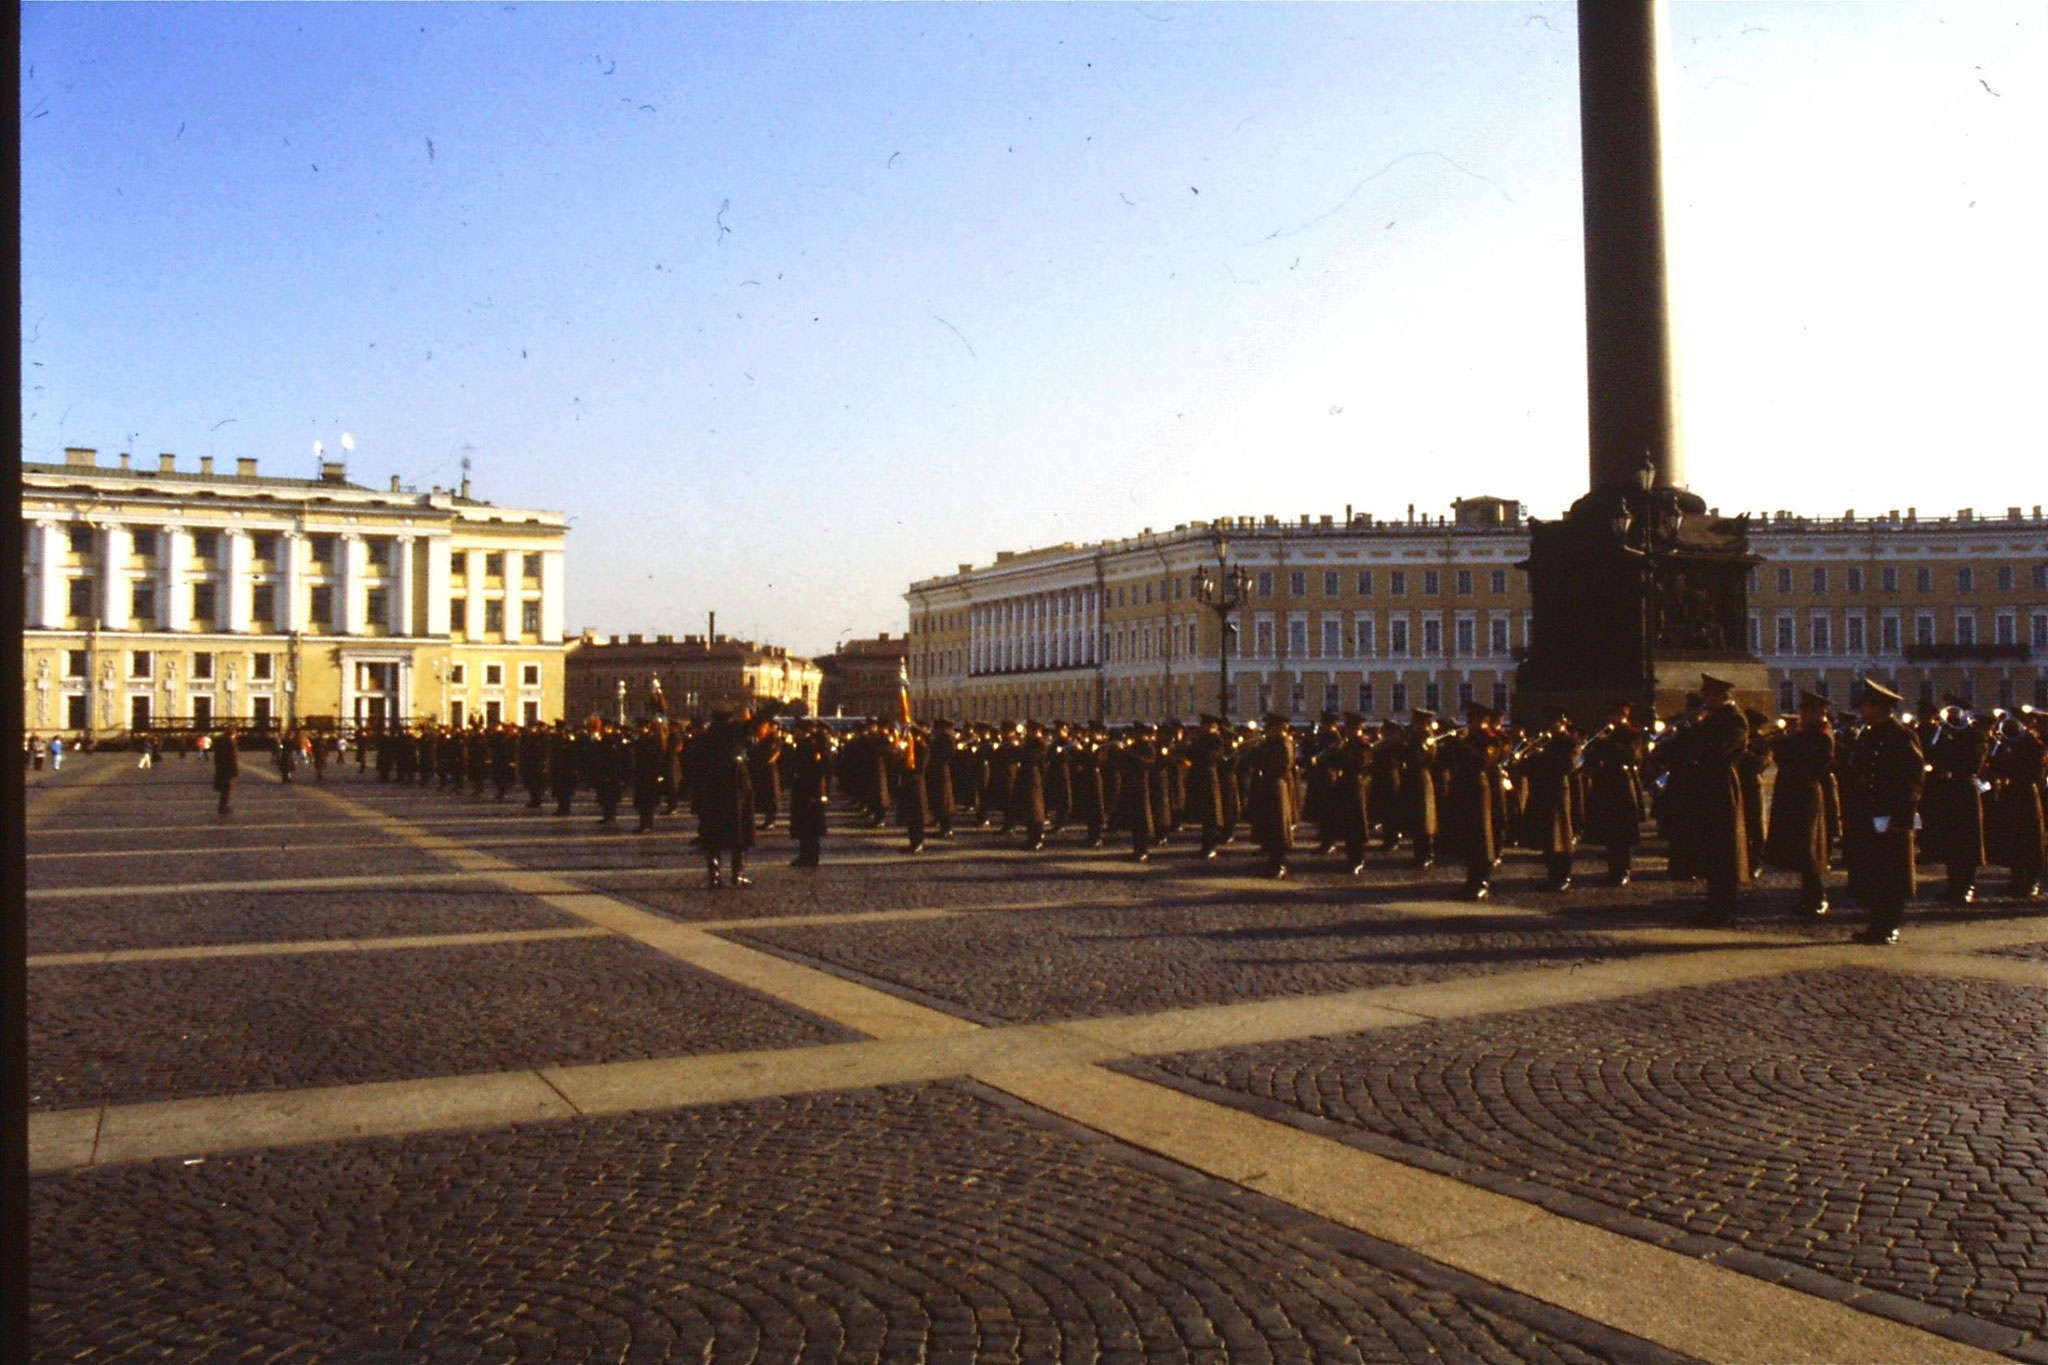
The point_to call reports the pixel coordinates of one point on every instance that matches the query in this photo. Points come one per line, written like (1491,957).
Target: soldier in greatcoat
(1208,759)
(764,769)
(533,762)
(1611,765)
(2015,836)
(938,777)
(910,755)
(227,766)
(1471,764)
(1417,781)
(1135,760)
(809,765)
(1084,778)
(612,764)
(1714,798)
(1883,778)
(723,796)
(1952,810)
(1547,823)
(650,763)
(1805,805)
(1271,806)
(565,765)
(1027,786)
(1348,764)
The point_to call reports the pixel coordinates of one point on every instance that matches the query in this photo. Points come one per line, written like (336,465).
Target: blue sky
(788,305)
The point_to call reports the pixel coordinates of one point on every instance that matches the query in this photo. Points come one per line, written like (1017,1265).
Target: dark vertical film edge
(14,1343)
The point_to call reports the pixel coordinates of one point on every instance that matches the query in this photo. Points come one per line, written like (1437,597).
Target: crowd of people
(1877,789)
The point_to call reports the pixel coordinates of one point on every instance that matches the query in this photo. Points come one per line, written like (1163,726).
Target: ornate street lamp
(1223,590)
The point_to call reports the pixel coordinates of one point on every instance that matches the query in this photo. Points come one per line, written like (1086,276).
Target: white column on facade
(173,588)
(553,612)
(438,573)
(237,580)
(399,620)
(352,591)
(473,576)
(291,581)
(47,590)
(115,598)
(1094,626)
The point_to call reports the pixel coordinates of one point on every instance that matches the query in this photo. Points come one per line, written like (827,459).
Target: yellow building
(165,597)
(1380,617)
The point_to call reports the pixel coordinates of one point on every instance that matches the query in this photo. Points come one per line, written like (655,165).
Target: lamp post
(1647,538)
(1222,591)
(622,703)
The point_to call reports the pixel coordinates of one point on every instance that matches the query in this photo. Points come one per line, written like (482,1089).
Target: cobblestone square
(368,1074)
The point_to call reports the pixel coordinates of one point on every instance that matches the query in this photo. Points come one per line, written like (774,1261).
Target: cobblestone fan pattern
(2028,952)
(126,1032)
(203,863)
(914,1224)
(215,917)
(1859,1123)
(1074,964)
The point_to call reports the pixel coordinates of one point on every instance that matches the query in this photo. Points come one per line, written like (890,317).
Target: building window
(1855,578)
(142,600)
(1464,695)
(1465,642)
(202,666)
(1888,578)
(202,713)
(529,617)
(1329,582)
(1432,697)
(321,550)
(1756,634)
(1923,630)
(1500,696)
(1788,699)
(1786,642)
(80,603)
(263,603)
(2008,629)
(202,601)
(1464,582)
(142,542)
(457,673)
(1397,637)
(1966,578)
(1333,697)
(322,605)
(1297,639)
(205,545)
(2041,578)
(458,614)
(1365,637)
(263,548)
(494,675)
(1400,697)
(2041,630)
(1365,582)
(1432,635)
(1820,578)
(377,606)
(262,667)
(1333,637)
(1818,628)
(1854,626)
(1497,636)
(1397,582)
(1784,580)
(2005,578)
(141,664)
(494,564)
(1923,579)
(1432,582)
(1262,638)
(1888,634)
(1497,582)
(1365,699)
(1966,628)
(75,660)
(79,537)
(529,675)
(1297,584)
(1265,586)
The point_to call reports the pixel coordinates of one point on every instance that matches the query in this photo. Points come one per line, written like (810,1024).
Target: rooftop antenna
(465,475)
(319,451)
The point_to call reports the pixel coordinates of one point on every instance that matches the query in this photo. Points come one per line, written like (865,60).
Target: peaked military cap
(1474,710)
(1876,691)
(1709,683)
(1419,715)
(1813,701)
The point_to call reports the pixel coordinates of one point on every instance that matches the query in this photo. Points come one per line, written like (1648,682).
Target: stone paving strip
(322,945)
